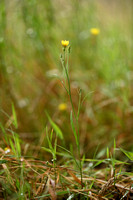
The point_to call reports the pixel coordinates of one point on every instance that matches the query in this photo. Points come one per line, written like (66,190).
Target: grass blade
(55,127)
(15,123)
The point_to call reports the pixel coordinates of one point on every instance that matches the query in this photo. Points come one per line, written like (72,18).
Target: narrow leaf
(46,149)
(3,161)
(128,153)
(55,127)
(107,152)
(4,132)
(12,147)
(49,142)
(15,123)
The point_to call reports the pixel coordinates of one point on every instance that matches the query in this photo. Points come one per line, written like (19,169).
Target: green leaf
(127,153)
(4,132)
(92,184)
(46,149)
(65,155)
(55,127)
(12,147)
(73,128)
(15,123)
(114,148)
(17,143)
(16,147)
(107,152)
(55,145)
(3,161)
(51,135)
(49,142)
(98,163)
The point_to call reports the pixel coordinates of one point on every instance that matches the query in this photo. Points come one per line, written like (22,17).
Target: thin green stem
(79,105)
(64,63)
(69,91)
(76,117)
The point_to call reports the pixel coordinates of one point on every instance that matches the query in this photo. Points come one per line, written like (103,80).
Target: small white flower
(7,150)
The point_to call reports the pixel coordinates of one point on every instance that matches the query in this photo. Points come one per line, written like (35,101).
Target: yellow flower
(65,43)
(95,31)
(62,106)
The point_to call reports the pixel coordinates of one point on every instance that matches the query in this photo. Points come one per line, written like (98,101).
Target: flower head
(65,43)
(62,106)
(95,31)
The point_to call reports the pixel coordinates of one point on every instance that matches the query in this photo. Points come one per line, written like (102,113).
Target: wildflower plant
(67,85)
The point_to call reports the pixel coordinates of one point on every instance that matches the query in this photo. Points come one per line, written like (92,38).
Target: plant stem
(76,117)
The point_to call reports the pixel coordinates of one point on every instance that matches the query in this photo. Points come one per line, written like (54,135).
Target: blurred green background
(101,65)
